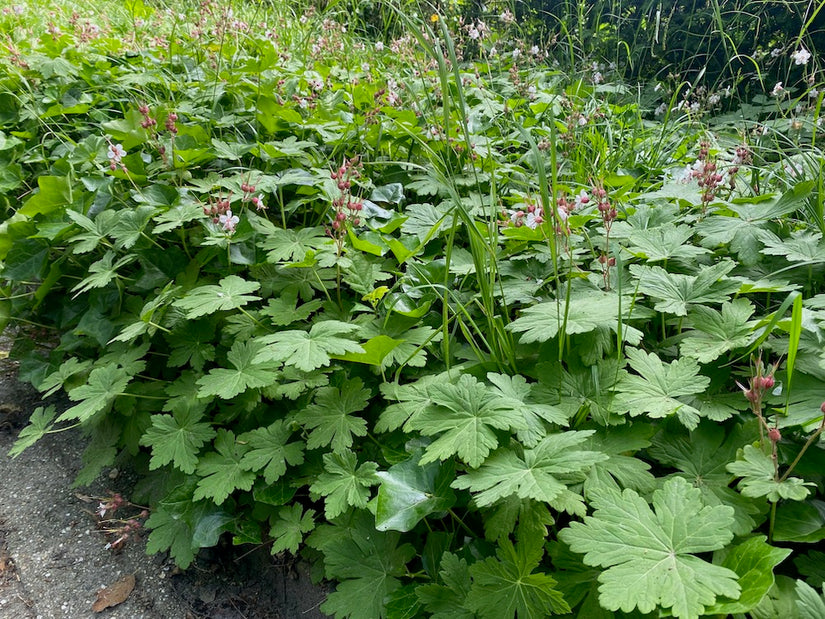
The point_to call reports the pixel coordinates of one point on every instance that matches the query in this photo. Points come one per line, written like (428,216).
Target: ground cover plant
(465,320)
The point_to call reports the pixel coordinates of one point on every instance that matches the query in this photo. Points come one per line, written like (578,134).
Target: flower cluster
(119,529)
(532,216)
(220,212)
(248,196)
(347,208)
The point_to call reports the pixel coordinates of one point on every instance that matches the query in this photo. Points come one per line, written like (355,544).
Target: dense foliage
(476,335)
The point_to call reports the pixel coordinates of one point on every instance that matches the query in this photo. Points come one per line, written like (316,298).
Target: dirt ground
(53,557)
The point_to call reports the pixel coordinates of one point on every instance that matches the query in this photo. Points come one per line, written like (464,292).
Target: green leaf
(170,531)
(716,333)
(656,390)
(648,552)
(515,394)
(102,387)
(192,344)
(289,526)
(221,471)
(129,225)
(758,478)
(367,563)
(344,484)
(271,451)
(292,245)
(40,423)
(282,310)
(665,242)
(703,456)
(803,246)
(538,474)
(810,604)
(312,350)
(754,562)
(675,292)
(231,292)
(507,586)
(177,438)
(330,417)
(247,374)
(587,311)
(410,492)
(95,230)
(102,272)
(620,469)
(54,192)
(26,262)
(811,565)
(448,601)
(465,416)
(800,522)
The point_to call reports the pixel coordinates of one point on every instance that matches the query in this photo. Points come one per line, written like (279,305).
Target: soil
(53,555)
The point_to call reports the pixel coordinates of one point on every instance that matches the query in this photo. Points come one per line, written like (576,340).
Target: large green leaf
(308,351)
(410,492)
(177,438)
(344,483)
(247,374)
(230,293)
(675,293)
(271,451)
(650,554)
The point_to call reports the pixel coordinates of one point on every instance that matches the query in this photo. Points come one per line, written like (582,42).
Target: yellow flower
(434,17)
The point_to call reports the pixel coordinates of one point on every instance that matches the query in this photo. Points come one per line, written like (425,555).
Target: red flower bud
(774,435)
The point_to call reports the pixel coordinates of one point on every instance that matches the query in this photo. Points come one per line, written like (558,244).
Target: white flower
(776,51)
(714,99)
(778,89)
(365,67)
(658,87)
(116,152)
(473,33)
(516,53)
(597,77)
(379,46)
(534,51)
(533,220)
(801,56)
(694,107)
(660,111)
(507,17)
(582,199)
(228,221)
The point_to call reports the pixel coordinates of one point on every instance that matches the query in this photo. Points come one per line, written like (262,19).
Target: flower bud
(774,435)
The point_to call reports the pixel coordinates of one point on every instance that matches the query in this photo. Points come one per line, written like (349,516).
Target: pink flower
(116,152)
(228,221)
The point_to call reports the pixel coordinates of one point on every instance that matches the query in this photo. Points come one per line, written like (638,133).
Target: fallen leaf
(115,594)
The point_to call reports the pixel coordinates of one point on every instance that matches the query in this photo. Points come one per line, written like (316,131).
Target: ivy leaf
(344,484)
(648,552)
(330,417)
(103,386)
(177,438)
(675,292)
(447,601)
(757,472)
(716,333)
(312,350)
(465,415)
(367,563)
(655,391)
(247,374)
(221,470)
(230,293)
(410,492)
(506,586)
(754,560)
(588,310)
(538,474)
(40,422)
(270,450)
(289,526)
